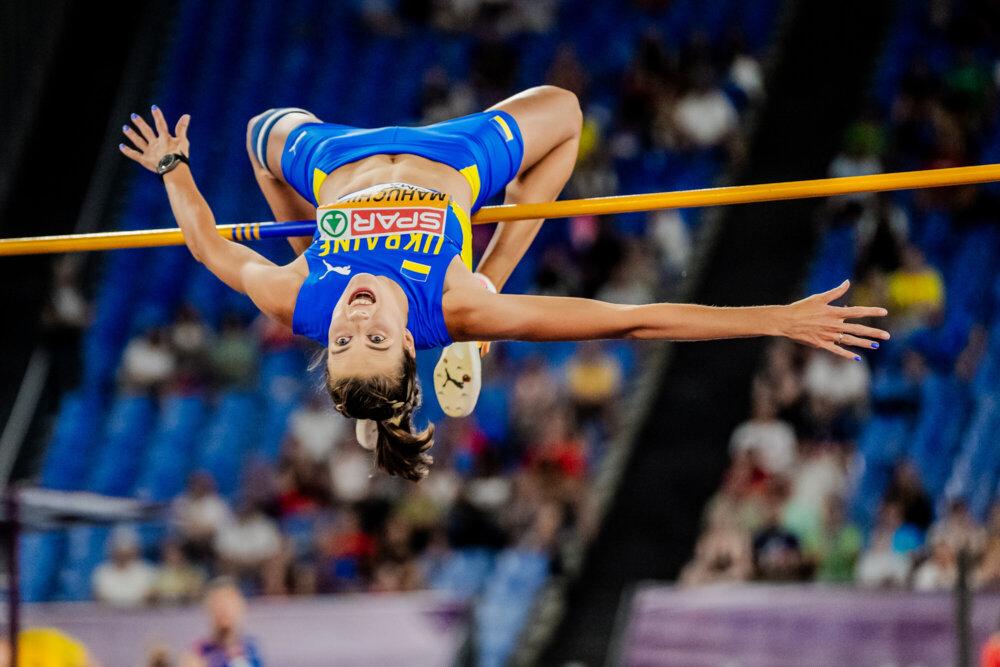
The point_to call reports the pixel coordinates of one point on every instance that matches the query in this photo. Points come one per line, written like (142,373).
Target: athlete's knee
(563,104)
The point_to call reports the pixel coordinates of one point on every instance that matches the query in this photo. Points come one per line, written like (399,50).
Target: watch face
(166,161)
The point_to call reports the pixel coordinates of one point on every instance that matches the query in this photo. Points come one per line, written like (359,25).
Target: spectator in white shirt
(841,381)
(198,514)
(317,428)
(124,580)
(771,439)
(704,116)
(251,548)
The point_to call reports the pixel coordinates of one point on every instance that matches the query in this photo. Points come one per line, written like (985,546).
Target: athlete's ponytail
(390,403)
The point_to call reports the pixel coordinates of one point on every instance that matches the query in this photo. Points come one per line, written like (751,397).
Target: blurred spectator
(199,513)
(226,644)
(880,232)
(907,491)
(234,355)
(190,338)
(841,381)
(740,500)
(66,314)
(772,440)
(704,116)
(777,553)
(673,239)
(251,548)
(567,72)
(916,292)
(317,427)
(346,552)
(863,142)
(629,281)
(442,98)
(469,526)
(885,564)
(744,71)
(938,572)
(959,529)
(838,546)
(397,568)
(722,554)
(125,580)
(533,397)
(817,480)
(177,581)
(593,379)
(350,474)
(148,363)
(987,575)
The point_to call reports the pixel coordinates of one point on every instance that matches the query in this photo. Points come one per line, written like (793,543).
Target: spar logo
(368,222)
(333,224)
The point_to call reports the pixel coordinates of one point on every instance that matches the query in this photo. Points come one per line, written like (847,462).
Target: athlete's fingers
(854,341)
(130,152)
(837,292)
(836,349)
(854,312)
(143,127)
(161,122)
(182,127)
(868,332)
(139,142)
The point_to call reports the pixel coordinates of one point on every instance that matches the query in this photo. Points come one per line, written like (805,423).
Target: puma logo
(342,270)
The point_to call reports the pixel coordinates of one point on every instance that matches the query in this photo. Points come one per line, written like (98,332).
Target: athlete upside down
(389,270)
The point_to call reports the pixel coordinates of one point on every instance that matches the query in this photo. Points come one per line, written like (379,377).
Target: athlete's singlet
(400,231)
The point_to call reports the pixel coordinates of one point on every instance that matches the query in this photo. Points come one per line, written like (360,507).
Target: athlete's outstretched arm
(272,288)
(483,316)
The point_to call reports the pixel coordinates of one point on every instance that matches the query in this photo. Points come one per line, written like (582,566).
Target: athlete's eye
(342,340)
(376,338)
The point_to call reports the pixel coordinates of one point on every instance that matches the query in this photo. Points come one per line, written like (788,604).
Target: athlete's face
(368,328)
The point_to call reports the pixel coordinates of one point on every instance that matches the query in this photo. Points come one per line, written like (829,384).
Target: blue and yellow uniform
(406,233)
(486,148)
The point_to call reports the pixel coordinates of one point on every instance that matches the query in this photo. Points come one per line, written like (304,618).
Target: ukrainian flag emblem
(415,271)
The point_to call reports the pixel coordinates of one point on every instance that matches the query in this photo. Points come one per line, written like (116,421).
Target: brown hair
(390,403)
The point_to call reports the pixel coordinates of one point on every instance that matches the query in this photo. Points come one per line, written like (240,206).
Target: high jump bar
(739,194)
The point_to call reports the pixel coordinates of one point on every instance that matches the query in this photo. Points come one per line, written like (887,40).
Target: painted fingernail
(857,358)
(125,128)
(155,108)
(134,116)
(121,145)
(874,346)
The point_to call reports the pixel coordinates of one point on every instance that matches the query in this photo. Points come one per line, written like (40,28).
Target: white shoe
(367,433)
(458,377)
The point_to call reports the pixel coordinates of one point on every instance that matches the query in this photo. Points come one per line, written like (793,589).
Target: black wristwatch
(169,162)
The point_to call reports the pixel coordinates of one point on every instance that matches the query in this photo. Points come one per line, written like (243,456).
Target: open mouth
(361,297)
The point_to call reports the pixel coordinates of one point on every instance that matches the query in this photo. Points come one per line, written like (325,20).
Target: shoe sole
(458,377)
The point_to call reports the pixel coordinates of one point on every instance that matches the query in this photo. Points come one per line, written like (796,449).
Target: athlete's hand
(815,322)
(151,145)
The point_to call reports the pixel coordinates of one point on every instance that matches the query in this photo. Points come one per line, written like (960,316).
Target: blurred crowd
(786,510)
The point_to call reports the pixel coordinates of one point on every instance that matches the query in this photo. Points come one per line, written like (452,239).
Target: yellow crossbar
(740,194)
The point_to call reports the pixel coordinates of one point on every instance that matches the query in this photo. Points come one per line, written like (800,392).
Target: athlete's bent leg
(550,121)
(266,135)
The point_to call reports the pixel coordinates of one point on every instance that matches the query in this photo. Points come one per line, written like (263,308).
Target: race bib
(386,212)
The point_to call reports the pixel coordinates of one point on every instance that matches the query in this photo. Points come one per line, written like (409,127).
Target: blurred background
(731,503)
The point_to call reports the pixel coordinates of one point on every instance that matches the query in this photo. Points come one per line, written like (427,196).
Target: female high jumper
(389,270)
